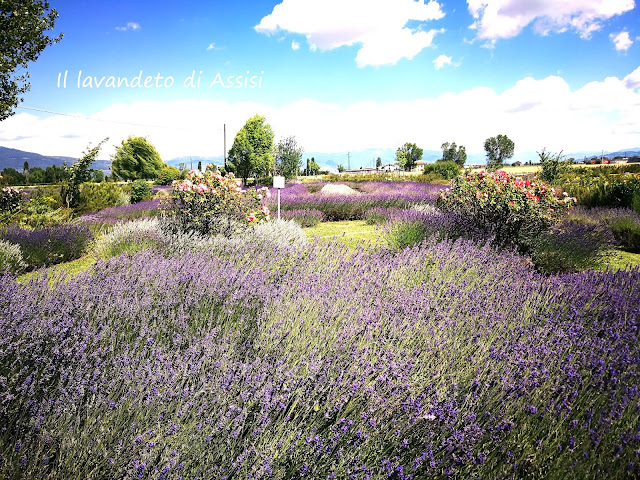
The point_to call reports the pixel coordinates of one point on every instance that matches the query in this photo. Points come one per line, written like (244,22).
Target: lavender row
(444,361)
(354,207)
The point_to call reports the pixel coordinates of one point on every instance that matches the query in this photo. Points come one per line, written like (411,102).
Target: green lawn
(622,259)
(351,233)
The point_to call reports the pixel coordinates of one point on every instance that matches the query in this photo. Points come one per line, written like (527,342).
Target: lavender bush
(50,245)
(305,218)
(443,361)
(571,246)
(623,223)
(113,215)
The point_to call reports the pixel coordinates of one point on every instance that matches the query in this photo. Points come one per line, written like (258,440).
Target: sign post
(278,182)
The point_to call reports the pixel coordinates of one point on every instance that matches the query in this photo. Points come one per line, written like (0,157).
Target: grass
(351,233)
(69,268)
(621,260)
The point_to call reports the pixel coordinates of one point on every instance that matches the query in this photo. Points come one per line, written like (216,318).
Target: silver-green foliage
(11,258)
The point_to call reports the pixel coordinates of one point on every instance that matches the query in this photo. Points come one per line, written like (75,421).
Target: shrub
(304,218)
(11,260)
(445,169)
(509,210)
(571,246)
(50,245)
(210,204)
(140,190)
(10,201)
(146,209)
(129,237)
(98,196)
(168,175)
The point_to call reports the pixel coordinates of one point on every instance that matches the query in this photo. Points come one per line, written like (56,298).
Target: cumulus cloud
(133,26)
(496,19)
(534,113)
(441,61)
(621,40)
(378,26)
(295,45)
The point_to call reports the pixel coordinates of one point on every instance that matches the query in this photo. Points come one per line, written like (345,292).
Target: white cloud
(621,40)
(129,26)
(533,113)
(441,61)
(378,26)
(495,19)
(212,46)
(295,45)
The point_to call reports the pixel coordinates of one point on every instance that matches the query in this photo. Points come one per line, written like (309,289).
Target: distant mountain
(187,160)
(12,158)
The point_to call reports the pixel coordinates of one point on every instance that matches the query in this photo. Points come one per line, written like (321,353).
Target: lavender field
(272,356)
(259,361)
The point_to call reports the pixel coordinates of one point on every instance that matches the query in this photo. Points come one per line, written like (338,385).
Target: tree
(341,168)
(312,167)
(452,153)
(53,174)
(25,172)
(252,150)
(552,165)
(378,162)
(11,176)
(408,155)
(498,150)
(23,28)
(200,165)
(36,176)
(77,174)
(97,176)
(288,157)
(136,159)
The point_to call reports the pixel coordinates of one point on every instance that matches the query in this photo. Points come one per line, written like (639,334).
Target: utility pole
(225,147)
(191,160)
(348,160)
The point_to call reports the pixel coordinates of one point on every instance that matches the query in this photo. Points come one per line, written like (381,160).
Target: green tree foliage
(378,162)
(36,176)
(136,159)
(445,169)
(140,190)
(77,174)
(97,176)
(54,174)
(407,156)
(313,168)
(452,153)
(11,176)
(169,174)
(341,168)
(288,157)
(252,150)
(25,172)
(498,149)
(552,165)
(23,28)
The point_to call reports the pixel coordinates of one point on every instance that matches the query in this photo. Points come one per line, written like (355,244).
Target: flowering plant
(209,203)
(510,209)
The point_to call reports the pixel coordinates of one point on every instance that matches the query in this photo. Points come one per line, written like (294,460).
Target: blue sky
(340,75)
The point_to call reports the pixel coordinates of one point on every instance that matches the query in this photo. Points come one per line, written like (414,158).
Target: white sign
(278,182)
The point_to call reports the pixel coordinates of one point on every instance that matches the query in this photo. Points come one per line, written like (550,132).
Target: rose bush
(10,201)
(511,210)
(211,204)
